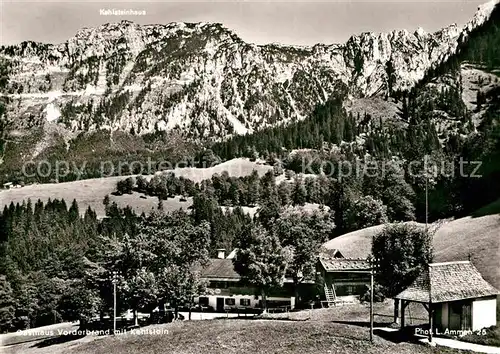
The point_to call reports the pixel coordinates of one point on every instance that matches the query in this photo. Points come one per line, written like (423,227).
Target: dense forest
(388,196)
(58,263)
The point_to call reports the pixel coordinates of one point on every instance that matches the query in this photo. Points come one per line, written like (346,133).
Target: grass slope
(478,237)
(236,336)
(91,192)
(453,241)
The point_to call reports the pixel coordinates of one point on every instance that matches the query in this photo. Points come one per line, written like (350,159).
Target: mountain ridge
(204,80)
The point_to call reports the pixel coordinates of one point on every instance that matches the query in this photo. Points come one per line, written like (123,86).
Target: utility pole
(371,305)
(370,262)
(426,202)
(115,274)
(426,195)
(427,233)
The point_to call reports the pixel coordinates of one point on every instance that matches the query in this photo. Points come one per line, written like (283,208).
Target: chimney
(232,254)
(221,253)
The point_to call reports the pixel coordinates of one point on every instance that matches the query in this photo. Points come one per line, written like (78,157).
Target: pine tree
(73,213)
(106,201)
(6,304)
(284,192)
(253,196)
(312,188)
(299,191)
(270,200)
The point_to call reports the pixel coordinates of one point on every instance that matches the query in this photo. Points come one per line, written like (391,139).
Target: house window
(219,284)
(244,302)
(229,301)
(346,290)
(203,301)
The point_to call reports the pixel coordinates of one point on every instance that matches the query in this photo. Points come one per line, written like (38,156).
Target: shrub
(378,294)
(125,186)
(21,322)
(486,336)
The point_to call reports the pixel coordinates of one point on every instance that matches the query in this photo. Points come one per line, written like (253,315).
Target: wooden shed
(456,297)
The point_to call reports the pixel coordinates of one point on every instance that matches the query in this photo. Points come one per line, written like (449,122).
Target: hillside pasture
(234,336)
(239,167)
(91,192)
(454,240)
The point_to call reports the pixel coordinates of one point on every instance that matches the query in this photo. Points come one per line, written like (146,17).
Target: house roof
(331,264)
(220,269)
(451,281)
(331,253)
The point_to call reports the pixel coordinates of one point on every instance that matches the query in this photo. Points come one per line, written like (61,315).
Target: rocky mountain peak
(204,80)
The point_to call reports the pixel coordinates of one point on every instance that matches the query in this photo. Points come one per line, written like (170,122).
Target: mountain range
(203,80)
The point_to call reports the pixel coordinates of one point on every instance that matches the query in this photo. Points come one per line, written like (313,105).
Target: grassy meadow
(456,240)
(337,330)
(91,192)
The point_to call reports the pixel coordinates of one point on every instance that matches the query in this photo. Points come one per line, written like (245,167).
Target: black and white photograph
(250,176)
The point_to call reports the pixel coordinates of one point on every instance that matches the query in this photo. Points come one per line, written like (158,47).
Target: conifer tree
(299,191)
(6,305)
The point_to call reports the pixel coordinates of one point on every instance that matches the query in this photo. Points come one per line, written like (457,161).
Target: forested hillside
(433,120)
(57,265)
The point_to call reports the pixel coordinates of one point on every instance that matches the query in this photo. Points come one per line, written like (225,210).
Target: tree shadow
(406,335)
(490,209)
(364,323)
(7,343)
(57,340)
(99,328)
(270,319)
(394,335)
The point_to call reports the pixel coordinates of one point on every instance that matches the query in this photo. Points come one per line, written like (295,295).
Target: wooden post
(431,327)
(371,303)
(114,302)
(396,310)
(403,306)
(426,198)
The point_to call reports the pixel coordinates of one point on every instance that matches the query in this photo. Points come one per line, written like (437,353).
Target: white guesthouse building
(228,294)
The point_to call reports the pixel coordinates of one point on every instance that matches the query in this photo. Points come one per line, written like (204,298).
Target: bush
(142,184)
(21,322)
(378,294)
(125,186)
(486,336)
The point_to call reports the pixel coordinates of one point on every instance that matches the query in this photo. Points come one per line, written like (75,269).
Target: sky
(288,22)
